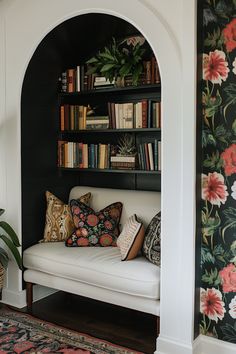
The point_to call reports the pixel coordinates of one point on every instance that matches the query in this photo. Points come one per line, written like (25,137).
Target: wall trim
(211,345)
(18,298)
(169,346)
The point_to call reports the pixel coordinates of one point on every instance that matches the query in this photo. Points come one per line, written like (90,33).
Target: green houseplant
(116,61)
(12,242)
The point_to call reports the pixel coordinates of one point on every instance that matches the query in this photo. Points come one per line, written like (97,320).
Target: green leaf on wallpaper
(230,215)
(210,224)
(214,40)
(229,332)
(212,277)
(221,255)
(230,91)
(214,162)
(234,3)
(207,138)
(222,134)
(211,104)
(234,127)
(206,255)
(233,248)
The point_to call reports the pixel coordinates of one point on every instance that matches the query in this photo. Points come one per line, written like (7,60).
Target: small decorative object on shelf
(126,156)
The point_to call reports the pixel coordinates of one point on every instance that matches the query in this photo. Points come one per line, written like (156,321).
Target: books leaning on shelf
(129,115)
(74,117)
(149,156)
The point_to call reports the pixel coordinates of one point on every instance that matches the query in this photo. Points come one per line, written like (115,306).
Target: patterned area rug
(21,333)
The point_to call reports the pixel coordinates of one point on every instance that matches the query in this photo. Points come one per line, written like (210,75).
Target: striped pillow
(130,240)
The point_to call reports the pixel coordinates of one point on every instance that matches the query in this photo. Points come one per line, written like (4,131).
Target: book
(128,115)
(144,113)
(78,76)
(150,155)
(138,115)
(70,80)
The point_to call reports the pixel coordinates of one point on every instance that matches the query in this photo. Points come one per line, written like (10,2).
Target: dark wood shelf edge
(93,131)
(75,169)
(142,88)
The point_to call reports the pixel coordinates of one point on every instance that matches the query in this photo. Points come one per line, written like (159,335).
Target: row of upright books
(76,79)
(142,114)
(149,156)
(83,155)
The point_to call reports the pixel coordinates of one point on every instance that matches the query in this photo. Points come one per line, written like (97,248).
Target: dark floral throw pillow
(94,228)
(152,240)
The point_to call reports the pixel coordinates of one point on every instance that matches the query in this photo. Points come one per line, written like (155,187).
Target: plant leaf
(13,250)
(107,67)
(9,230)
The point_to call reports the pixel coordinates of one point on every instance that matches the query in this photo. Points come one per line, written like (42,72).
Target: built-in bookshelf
(88,141)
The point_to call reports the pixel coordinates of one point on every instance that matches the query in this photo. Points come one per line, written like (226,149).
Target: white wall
(169,27)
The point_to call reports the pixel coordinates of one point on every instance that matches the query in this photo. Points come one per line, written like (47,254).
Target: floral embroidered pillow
(94,228)
(59,223)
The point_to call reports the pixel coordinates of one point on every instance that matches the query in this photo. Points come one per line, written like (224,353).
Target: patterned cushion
(94,228)
(59,223)
(131,238)
(152,240)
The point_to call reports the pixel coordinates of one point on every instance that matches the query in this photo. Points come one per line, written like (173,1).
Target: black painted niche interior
(67,45)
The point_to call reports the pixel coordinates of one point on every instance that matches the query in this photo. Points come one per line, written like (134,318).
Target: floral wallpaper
(218,248)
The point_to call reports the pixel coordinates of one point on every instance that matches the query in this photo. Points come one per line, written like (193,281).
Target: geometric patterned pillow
(152,240)
(94,228)
(59,223)
(131,238)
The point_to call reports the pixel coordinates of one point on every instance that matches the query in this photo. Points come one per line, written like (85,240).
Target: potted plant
(118,60)
(12,242)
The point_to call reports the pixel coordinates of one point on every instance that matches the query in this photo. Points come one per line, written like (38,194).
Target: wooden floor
(118,325)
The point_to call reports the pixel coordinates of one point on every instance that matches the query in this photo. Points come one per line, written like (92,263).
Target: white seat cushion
(98,266)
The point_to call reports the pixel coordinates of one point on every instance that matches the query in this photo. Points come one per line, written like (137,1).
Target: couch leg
(29,296)
(158,325)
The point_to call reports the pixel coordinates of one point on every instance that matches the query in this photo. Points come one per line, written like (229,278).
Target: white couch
(98,272)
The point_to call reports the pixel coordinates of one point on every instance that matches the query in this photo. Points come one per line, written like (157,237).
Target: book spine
(62,118)
(150,155)
(144,113)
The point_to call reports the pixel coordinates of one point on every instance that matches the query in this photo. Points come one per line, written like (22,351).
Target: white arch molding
(34,23)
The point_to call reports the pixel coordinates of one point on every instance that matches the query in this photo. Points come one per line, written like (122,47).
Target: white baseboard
(211,345)
(18,299)
(201,345)
(169,346)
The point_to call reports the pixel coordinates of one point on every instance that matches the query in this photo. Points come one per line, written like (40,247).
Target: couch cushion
(99,266)
(93,228)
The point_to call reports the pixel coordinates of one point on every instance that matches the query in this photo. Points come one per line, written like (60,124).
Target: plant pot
(2,273)
(120,81)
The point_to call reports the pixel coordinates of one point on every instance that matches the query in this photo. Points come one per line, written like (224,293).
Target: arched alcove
(66,46)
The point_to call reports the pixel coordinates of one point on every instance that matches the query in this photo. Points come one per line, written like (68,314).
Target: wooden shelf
(123,90)
(76,169)
(95,131)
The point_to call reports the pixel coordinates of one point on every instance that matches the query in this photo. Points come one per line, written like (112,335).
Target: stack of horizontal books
(97,122)
(123,162)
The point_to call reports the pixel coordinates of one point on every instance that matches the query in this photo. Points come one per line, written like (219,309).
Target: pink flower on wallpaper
(215,67)
(213,188)
(232,307)
(211,304)
(229,160)
(228,278)
(229,33)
